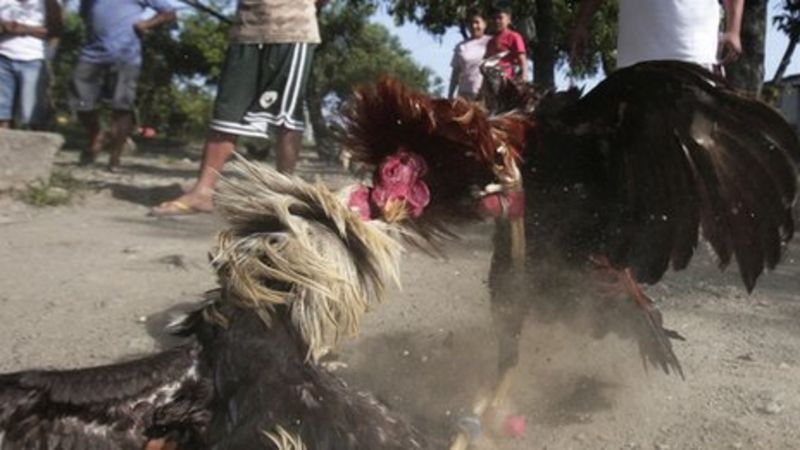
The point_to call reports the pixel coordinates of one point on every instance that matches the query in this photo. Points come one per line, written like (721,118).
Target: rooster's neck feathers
(296,245)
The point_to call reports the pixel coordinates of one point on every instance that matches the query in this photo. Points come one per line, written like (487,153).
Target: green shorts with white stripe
(262,86)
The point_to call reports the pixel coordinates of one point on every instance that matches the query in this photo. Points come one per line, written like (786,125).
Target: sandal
(175,208)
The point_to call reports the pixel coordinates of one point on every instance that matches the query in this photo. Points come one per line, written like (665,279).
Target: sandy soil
(96,281)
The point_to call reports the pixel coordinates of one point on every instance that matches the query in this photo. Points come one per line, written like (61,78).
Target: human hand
(15,28)
(730,47)
(141,29)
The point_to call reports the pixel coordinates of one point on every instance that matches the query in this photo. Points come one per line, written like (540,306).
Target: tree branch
(208,10)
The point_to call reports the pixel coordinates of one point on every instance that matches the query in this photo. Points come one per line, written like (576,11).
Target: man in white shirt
(683,30)
(25,26)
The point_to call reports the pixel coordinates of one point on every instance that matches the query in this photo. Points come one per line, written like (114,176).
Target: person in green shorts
(261,91)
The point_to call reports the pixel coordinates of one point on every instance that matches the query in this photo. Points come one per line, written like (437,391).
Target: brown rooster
(619,183)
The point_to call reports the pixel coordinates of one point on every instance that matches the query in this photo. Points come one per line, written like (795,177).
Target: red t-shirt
(509,41)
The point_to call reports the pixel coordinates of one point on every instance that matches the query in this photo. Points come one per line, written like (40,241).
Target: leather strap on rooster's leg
(485,415)
(505,200)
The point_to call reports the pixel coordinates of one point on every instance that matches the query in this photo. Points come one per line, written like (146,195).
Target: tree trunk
(747,74)
(544,55)
(787,58)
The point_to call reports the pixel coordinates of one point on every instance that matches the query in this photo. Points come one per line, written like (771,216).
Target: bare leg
(218,148)
(91,122)
(121,128)
(289,142)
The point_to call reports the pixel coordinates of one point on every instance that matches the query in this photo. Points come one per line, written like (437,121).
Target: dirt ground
(96,281)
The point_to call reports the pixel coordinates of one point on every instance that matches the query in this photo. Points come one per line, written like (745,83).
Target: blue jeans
(23,91)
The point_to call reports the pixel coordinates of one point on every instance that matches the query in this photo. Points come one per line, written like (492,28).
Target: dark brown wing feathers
(690,153)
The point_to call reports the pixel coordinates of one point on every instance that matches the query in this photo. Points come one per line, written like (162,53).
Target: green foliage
(602,46)
(69,46)
(354,51)
(788,21)
(60,189)
(200,47)
(179,65)
(437,16)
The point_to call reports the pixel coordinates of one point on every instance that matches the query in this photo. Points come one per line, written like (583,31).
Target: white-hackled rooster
(297,270)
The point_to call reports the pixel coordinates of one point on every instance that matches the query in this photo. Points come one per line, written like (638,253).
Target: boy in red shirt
(507,40)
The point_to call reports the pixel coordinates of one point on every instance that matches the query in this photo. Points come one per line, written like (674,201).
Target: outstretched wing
(674,150)
(110,407)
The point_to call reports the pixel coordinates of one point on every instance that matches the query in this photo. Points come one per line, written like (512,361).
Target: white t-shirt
(684,30)
(26,12)
(467,58)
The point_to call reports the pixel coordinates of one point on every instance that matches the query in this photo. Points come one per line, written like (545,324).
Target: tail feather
(658,347)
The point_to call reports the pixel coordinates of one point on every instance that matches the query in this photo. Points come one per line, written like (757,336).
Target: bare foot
(187,204)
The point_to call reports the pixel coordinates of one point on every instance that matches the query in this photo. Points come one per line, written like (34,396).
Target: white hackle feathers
(296,244)
(284,440)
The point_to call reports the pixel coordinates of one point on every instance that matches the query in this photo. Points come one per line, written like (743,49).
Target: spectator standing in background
(25,28)
(514,63)
(683,30)
(108,68)
(261,91)
(466,77)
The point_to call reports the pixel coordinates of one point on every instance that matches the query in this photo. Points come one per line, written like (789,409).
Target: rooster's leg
(509,309)
(485,408)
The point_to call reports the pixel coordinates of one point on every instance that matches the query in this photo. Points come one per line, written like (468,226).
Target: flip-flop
(174,208)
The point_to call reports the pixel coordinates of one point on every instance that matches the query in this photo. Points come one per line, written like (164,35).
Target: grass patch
(60,189)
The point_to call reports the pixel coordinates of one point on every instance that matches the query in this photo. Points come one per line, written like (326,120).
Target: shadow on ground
(145,196)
